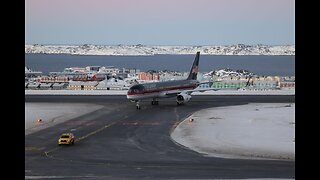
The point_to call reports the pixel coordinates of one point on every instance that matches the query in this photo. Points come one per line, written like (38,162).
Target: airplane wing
(207,82)
(197,90)
(171,93)
(207,89)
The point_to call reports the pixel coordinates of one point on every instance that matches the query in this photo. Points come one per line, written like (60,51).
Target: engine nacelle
(183,98)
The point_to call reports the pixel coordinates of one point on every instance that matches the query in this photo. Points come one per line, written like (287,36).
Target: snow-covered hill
(141,50)
(229,72)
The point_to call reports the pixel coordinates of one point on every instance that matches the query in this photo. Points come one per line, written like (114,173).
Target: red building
(148,76)
(287,84)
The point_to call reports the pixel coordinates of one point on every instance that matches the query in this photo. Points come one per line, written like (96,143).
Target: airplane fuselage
(160,89)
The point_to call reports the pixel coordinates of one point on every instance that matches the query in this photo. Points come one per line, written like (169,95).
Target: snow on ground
(257,130)
(52,114)
(123,92)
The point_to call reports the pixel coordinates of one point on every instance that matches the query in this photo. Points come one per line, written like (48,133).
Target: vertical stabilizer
(194,69)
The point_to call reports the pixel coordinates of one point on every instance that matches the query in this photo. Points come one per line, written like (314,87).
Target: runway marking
(81,138)
(32,149)
(94,132)
(47,152)
(141,123)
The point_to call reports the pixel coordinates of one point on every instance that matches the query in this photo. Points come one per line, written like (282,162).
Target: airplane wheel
(154,102)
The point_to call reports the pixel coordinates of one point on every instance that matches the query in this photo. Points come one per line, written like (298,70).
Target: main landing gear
(180,104)
(154,102)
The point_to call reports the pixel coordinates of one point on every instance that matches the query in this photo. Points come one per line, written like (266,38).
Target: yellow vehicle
(66,138)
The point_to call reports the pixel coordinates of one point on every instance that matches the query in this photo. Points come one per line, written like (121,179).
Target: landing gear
(180,104)
(138,105)
(154,102)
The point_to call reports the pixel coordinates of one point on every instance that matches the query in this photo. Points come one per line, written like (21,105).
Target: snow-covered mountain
(229,72)
(141,50)
(26,70)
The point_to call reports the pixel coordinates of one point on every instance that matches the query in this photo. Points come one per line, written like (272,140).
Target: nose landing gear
(138,105)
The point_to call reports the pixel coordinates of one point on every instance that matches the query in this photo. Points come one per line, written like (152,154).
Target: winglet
(194,69)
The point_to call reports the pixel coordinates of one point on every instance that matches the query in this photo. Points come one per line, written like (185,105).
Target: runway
(120,142)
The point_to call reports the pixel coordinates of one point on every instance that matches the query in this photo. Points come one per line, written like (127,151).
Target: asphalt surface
(120,142)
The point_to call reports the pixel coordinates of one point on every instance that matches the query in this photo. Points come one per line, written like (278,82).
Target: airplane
(181,89)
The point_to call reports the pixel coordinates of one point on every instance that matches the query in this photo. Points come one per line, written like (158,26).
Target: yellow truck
(66,138)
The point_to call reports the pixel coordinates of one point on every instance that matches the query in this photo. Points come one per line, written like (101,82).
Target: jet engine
(183,98)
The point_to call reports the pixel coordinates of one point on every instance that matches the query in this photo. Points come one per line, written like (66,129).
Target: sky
(160,22)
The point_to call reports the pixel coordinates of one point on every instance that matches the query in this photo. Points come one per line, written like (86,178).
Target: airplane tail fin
(194,69)
(248,82)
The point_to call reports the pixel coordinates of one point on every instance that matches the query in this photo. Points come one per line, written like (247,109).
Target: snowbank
(246,131)
(52,114)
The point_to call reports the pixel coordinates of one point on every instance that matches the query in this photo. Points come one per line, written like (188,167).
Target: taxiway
(118,142)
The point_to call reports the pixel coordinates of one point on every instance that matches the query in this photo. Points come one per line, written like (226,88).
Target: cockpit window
(136,88)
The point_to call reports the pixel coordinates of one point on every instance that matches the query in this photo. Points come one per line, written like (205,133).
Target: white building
(59,86)
(109,69)
(113,84)
(82,85)
(34,85)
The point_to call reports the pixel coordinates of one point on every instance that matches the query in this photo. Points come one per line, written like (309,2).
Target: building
(148,76)
(265,84)
(287,84)
(93,68)
(45,86)
(34,85)
(52,79)
(28,73)
(109,69)
(59,86)
(113,84)
(75,69)
(130,71)
(203,86)
(82,85)
(168,76)
(229,84)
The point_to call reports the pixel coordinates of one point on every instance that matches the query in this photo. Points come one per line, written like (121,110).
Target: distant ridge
(146,50)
